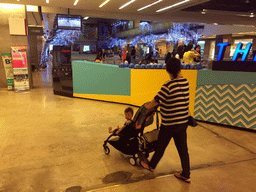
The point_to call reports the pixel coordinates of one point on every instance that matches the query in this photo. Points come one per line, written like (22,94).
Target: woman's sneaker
(179,176)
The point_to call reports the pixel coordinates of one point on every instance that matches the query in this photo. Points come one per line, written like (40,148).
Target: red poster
(19,59)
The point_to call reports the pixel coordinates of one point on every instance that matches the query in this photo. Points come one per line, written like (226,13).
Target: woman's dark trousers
(179,134)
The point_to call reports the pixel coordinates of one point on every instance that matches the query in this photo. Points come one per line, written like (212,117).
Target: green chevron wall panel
(227,104)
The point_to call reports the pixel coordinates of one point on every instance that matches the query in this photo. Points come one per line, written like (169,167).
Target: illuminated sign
(239,50)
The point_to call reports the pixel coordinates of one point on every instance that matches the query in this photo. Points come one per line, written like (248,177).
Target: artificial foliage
(58,37)
(178,33)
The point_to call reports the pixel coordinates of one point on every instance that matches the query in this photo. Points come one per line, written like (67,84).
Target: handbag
(192,122)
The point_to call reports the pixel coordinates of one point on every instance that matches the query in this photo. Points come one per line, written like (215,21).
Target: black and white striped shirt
(174,101)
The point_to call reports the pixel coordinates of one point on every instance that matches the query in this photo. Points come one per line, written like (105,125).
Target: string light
(178,33)
(62,37)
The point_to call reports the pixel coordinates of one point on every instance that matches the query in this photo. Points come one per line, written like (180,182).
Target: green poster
(7,61)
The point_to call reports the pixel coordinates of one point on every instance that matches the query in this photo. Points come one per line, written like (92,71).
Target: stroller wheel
(106,150)
(132,161)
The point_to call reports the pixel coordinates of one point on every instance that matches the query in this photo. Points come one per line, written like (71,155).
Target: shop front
(224,97)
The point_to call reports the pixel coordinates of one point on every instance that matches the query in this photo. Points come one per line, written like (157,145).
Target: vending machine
(62,71)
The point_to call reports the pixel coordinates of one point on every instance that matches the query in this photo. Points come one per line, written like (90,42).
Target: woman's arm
(196,53)
(151,105)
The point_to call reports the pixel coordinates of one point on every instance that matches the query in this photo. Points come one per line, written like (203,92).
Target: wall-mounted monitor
(86,48)
(69,22)
(50,47)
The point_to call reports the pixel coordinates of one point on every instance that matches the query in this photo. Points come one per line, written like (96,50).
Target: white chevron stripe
(227,91)
(203,88)
(222,102)
(218,94)
(224,86)
(242,86)
(207,106)
(209,86)
(226,118)
(232,116)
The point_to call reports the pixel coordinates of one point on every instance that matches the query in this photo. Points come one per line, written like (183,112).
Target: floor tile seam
(220,136)
(223,164)
(146,178)
(33,168)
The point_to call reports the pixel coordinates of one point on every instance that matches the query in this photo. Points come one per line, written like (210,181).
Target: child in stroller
(128,140)
(128,112)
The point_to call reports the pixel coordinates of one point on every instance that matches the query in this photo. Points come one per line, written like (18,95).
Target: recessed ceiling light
(169,7)
(47,1)
(104,3)
(149,5)
(76,2)
(126,4)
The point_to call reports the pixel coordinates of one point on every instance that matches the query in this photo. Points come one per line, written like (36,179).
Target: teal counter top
(111,80)
(209,77)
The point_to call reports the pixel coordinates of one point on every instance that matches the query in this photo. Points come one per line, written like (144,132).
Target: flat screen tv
(69,22)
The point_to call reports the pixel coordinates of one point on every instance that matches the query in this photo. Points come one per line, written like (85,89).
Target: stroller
(131,140)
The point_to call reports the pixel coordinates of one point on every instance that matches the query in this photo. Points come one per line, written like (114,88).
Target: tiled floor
(53,143)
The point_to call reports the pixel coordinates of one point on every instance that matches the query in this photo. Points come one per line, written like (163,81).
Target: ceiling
(246,6)
(218,11)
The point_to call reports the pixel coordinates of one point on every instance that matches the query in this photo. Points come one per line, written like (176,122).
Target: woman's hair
(189,47)
(197,46)
(168,56)
(128,109)
(199,49)
(180,51)
(173,66)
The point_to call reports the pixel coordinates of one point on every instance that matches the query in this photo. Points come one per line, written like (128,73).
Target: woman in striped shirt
(173,99)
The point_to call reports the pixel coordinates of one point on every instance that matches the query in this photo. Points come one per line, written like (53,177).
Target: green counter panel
(209,77)
(101,79)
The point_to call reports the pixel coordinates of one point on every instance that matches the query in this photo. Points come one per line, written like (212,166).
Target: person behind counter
(198,58)
(128,58)
(168,56)
(98,59)
(147,60)
(133,54)
(180,52)
(190,54)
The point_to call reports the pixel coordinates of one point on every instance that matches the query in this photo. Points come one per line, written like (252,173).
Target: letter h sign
(245,51)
